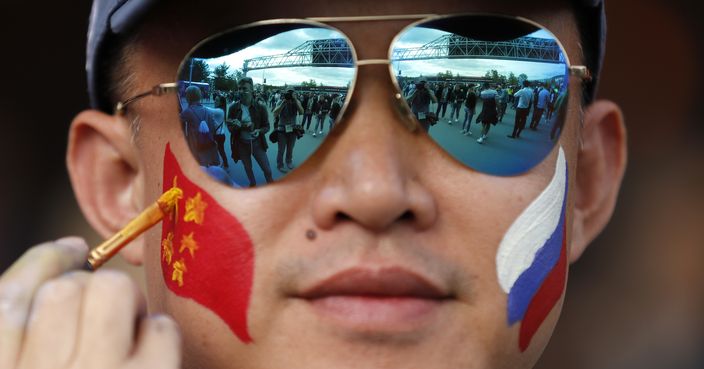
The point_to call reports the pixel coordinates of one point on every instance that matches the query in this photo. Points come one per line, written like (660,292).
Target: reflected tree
(222,79)
(309,83)
(196,70)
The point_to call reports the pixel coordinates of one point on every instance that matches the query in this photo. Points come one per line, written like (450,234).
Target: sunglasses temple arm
(581,72)
(158,90)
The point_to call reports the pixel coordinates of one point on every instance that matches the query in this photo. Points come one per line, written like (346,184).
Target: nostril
(341,217)
(407,216)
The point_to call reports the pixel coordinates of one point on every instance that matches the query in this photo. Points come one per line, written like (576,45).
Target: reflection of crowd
(244,113)
(542,98)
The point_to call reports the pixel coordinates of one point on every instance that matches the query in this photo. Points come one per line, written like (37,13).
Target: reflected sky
(340,77)
(418,36)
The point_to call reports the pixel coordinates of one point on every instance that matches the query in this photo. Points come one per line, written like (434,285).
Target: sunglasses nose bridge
(394,97)
(365,62)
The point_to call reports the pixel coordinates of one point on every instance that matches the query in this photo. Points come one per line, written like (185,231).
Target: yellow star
(188,242)
(195,209)
(167,247)
(179,270)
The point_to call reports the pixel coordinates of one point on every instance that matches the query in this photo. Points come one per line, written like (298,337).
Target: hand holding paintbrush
(42,297)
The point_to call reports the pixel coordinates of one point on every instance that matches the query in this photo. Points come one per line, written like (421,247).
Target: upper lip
(384,282)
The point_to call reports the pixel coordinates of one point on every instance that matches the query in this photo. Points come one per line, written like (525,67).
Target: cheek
(206,254)
(531,259)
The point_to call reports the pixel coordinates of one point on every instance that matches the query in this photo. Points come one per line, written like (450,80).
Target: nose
(372,176)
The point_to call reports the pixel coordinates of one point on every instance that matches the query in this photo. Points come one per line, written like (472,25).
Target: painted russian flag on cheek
(206,254)
(531,260)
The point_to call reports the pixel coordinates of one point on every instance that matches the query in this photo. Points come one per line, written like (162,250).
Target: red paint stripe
(218,274)
(545,299)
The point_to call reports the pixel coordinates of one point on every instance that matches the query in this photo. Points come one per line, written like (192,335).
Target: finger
(52,327)
(19,284)
(111,306)
(158,344)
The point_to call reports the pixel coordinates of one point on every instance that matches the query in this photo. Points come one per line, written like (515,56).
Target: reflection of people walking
(489,115)
(248,122)
(470,104)
(551,103)
(457,98)
(335,108)
(308,103)
(221,103)
(442,93)
(322,108)
(558,124)
(287,111)
(543,96)
(420,103)
(502,102)
(200,128)
(522,99)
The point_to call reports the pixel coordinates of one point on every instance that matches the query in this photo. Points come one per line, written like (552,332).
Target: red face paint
(545,299)
(206,254)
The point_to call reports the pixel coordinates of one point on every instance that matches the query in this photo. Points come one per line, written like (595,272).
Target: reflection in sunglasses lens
(257,102)
(494,105)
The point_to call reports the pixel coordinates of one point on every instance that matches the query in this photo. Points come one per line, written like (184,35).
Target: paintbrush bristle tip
(169,199)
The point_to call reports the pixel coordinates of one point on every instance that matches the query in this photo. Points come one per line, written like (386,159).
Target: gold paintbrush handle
(144,221)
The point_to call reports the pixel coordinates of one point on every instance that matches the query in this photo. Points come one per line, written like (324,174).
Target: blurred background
(634,300)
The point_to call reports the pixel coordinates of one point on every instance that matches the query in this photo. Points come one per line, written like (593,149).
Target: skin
(376,194)
(51,317)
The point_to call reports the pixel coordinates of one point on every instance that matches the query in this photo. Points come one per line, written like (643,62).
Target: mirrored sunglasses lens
(491,91)
(256,102)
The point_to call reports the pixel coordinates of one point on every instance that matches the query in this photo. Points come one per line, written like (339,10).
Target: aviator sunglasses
(286,83)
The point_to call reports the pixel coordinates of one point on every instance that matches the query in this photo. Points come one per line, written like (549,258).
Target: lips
(388,282)
(387,299)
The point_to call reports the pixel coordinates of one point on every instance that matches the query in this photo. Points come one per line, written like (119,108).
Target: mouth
(378,300)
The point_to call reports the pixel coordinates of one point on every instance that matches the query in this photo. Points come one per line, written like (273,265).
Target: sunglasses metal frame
(579,71)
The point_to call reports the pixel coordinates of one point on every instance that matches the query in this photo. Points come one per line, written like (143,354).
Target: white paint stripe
(531,229)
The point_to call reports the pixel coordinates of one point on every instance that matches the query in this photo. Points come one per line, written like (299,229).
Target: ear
(104,170)
(601,162)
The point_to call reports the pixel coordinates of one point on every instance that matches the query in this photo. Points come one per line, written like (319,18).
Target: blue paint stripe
(531,279)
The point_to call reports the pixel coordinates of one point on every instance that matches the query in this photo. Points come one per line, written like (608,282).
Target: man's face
(389,209)
(246,93)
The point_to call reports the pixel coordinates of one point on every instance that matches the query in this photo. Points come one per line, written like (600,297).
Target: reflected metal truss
(530,49)
(336,52)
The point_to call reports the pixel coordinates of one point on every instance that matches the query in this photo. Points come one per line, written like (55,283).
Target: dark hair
(246,80)
(193,94)
(113,76)
(590,36)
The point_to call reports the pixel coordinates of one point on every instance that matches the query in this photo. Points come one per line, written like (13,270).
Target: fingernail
(74,243)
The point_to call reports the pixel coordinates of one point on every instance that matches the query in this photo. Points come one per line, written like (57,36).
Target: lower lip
(377,313)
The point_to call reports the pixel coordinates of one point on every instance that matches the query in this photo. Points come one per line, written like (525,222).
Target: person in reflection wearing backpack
(200,128)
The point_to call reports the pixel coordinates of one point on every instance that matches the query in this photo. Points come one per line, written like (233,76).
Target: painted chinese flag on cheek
(206,254)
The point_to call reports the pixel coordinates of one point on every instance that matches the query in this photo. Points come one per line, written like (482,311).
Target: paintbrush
(150,217)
